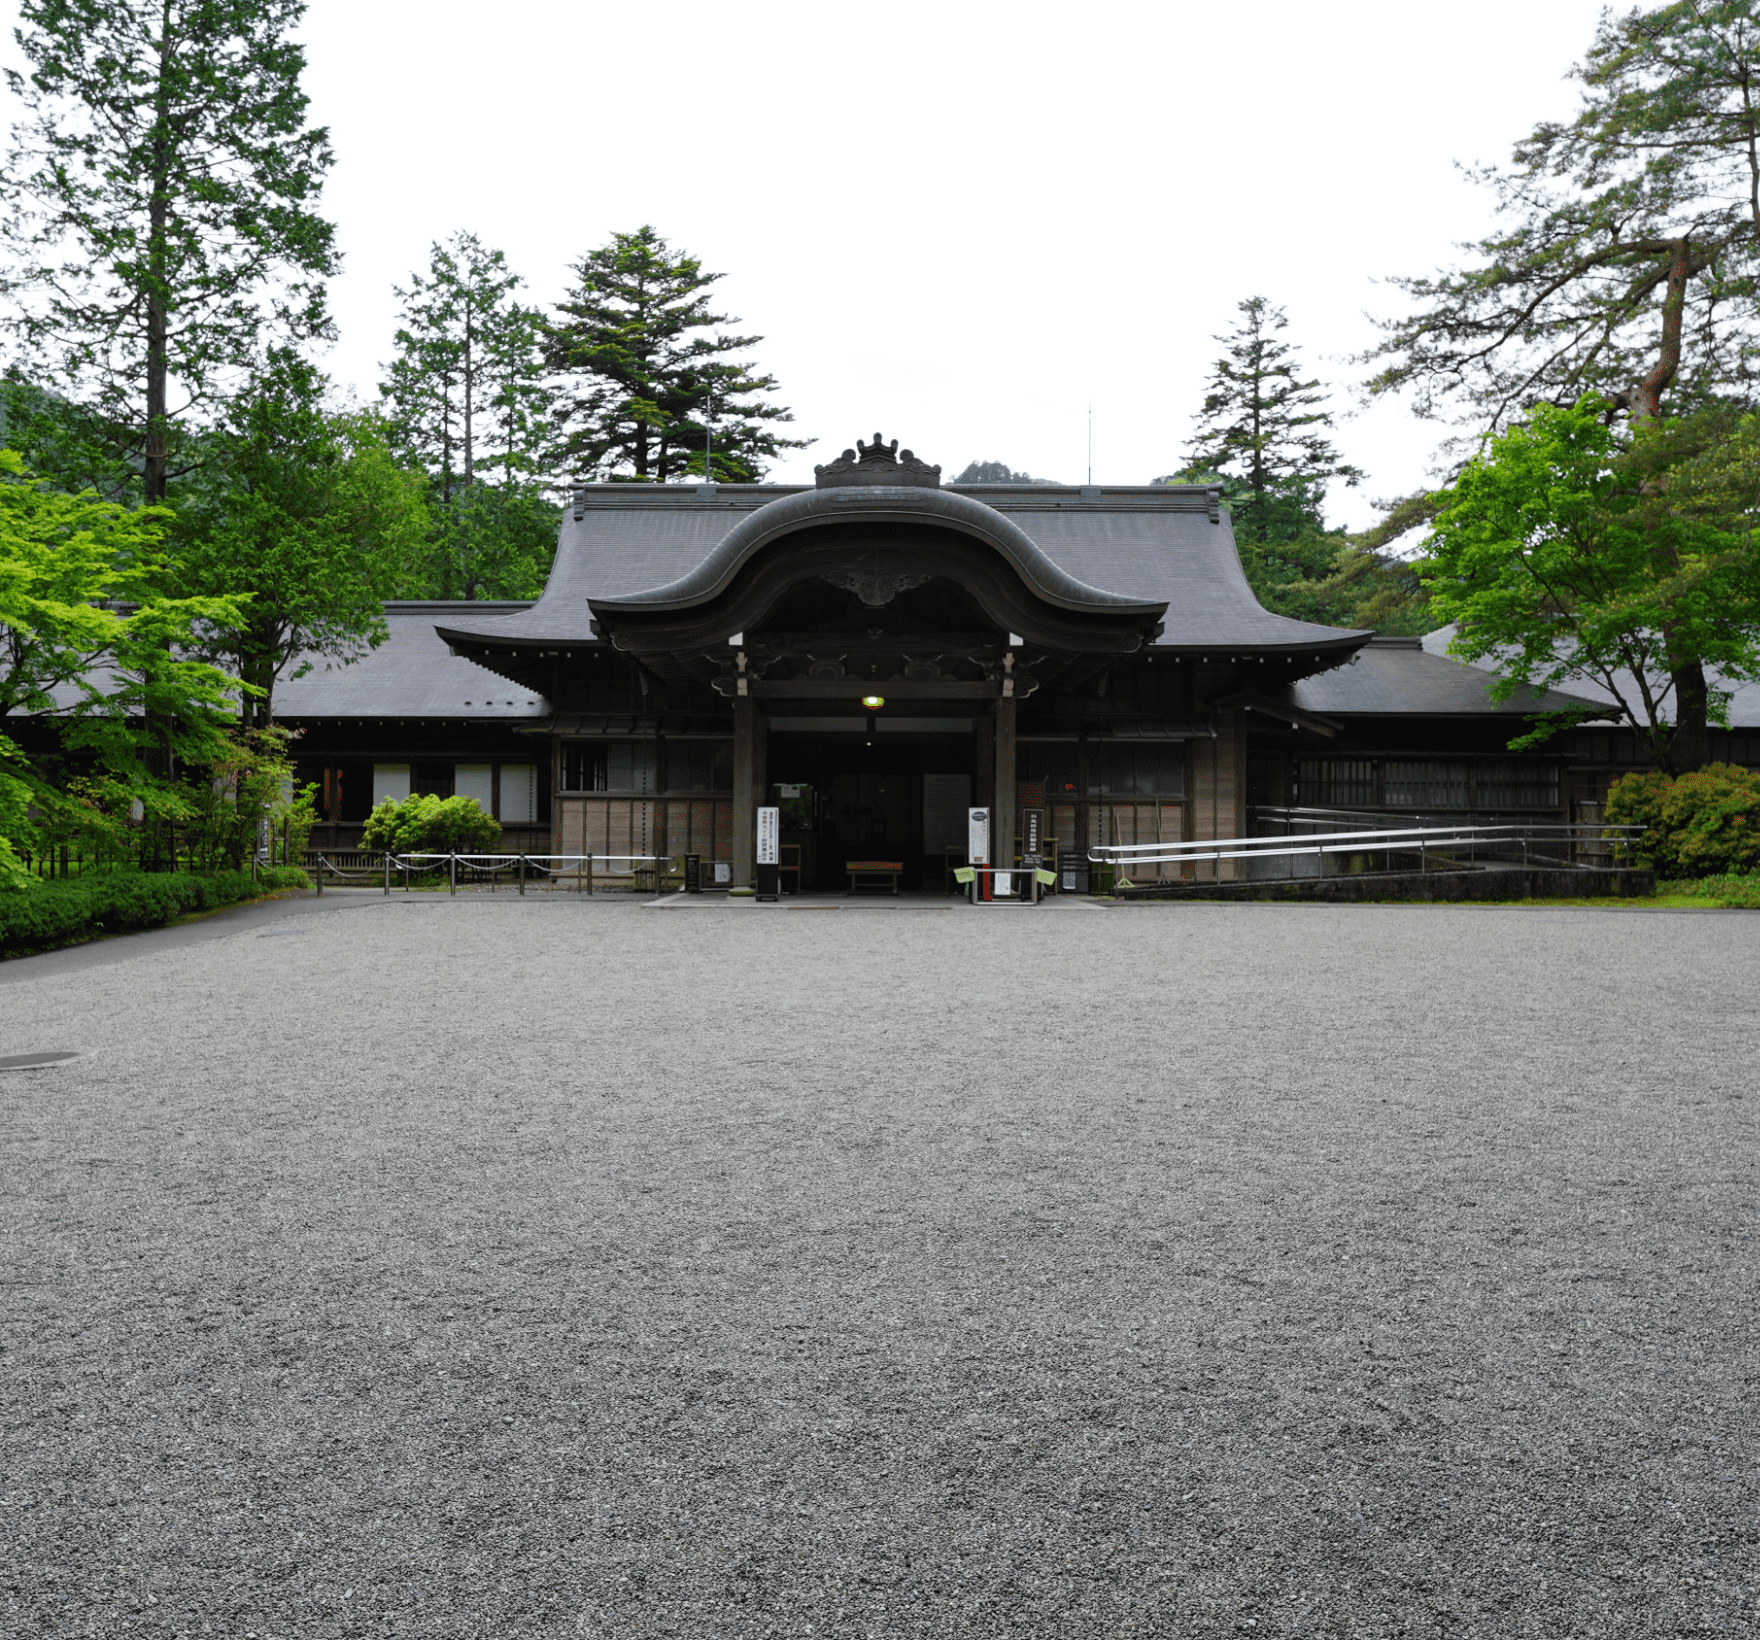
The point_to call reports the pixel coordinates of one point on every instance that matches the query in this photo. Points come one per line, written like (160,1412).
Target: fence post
(320,873)
(589,874)
(452,866)
(522,875)
(388,871)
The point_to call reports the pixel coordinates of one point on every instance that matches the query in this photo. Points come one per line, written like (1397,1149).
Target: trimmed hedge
(1703,824)
(424,824)
(70,910)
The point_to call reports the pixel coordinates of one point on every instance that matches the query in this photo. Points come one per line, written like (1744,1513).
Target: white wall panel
(475,780)
(519,794)
(390,780)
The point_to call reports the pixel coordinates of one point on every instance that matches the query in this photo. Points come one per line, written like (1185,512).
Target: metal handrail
(1380,839)
(1359,841)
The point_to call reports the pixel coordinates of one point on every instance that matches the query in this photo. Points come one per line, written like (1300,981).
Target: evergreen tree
(651,397)
(308,515)
(470,405)
(1262,427)
(996,472)
(489,541)
(160,228)
(466,390)
(1628,266)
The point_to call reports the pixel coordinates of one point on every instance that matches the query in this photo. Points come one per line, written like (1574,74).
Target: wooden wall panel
(700,825)
(570,820)
(1150,822)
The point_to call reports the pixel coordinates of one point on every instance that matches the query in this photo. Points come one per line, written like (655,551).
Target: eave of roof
(1139,546)
(1398,677)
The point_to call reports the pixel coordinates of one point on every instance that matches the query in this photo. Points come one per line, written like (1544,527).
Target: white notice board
(769,833)
(977,837)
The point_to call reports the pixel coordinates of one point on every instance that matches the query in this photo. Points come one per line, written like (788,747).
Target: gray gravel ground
(497,1268)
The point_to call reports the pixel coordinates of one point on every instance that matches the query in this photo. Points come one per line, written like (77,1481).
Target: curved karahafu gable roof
(1105,550)
(879,504)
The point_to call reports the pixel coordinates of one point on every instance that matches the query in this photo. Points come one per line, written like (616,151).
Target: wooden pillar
(1219,792)
(1002,805)
(984,761)
(745,789)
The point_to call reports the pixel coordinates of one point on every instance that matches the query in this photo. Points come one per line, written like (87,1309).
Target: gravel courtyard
(491,1268)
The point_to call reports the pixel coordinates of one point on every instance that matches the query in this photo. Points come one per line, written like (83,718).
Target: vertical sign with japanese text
(769,835)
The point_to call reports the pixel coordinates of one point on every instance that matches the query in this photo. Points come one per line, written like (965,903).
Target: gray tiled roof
(1151,544)
(1397,676)
(411,674)
(1744,705)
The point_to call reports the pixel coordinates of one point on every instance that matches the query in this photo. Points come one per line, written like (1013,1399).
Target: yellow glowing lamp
(873,702)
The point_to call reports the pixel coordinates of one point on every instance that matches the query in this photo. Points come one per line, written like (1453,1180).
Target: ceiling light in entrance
(873,702)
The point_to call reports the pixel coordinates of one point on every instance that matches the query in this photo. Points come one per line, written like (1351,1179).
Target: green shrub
(1704,824)
(270,878)
(424,824)
(67,910)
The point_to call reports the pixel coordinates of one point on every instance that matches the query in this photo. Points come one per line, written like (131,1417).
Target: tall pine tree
(1264,428)
(469,403)
(466,391)
(654,391)
(161,228)
(1626,265)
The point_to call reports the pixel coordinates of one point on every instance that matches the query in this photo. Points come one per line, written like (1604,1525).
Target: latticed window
(1335,783)
(1052,764)
(699,765)
(1425,785)
(1148,769)
(608,766)
(1517,786)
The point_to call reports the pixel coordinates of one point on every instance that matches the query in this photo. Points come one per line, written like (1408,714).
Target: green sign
(963,874)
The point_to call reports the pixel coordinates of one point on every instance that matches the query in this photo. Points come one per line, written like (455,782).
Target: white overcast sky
(958,223)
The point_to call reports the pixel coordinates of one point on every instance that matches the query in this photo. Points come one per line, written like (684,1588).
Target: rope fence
(549,873)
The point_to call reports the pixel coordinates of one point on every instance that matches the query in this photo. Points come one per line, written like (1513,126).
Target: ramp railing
(1451,845)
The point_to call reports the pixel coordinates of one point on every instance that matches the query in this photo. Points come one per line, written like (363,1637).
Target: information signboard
(977,837)
(769,836)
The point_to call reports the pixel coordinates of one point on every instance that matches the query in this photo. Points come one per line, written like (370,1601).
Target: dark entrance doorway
(894,794)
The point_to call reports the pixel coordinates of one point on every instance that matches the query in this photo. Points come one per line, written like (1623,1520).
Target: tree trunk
(1647,395)
(470,369)
(1691,747)
(155,455)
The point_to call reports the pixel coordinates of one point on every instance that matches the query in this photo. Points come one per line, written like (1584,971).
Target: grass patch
(1733,889)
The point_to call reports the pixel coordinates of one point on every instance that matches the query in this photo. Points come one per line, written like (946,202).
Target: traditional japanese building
(878,652)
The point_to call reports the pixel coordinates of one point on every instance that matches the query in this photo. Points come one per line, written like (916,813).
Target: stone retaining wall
(1492,883)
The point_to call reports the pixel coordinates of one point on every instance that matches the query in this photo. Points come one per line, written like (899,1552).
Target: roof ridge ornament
(879,463)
